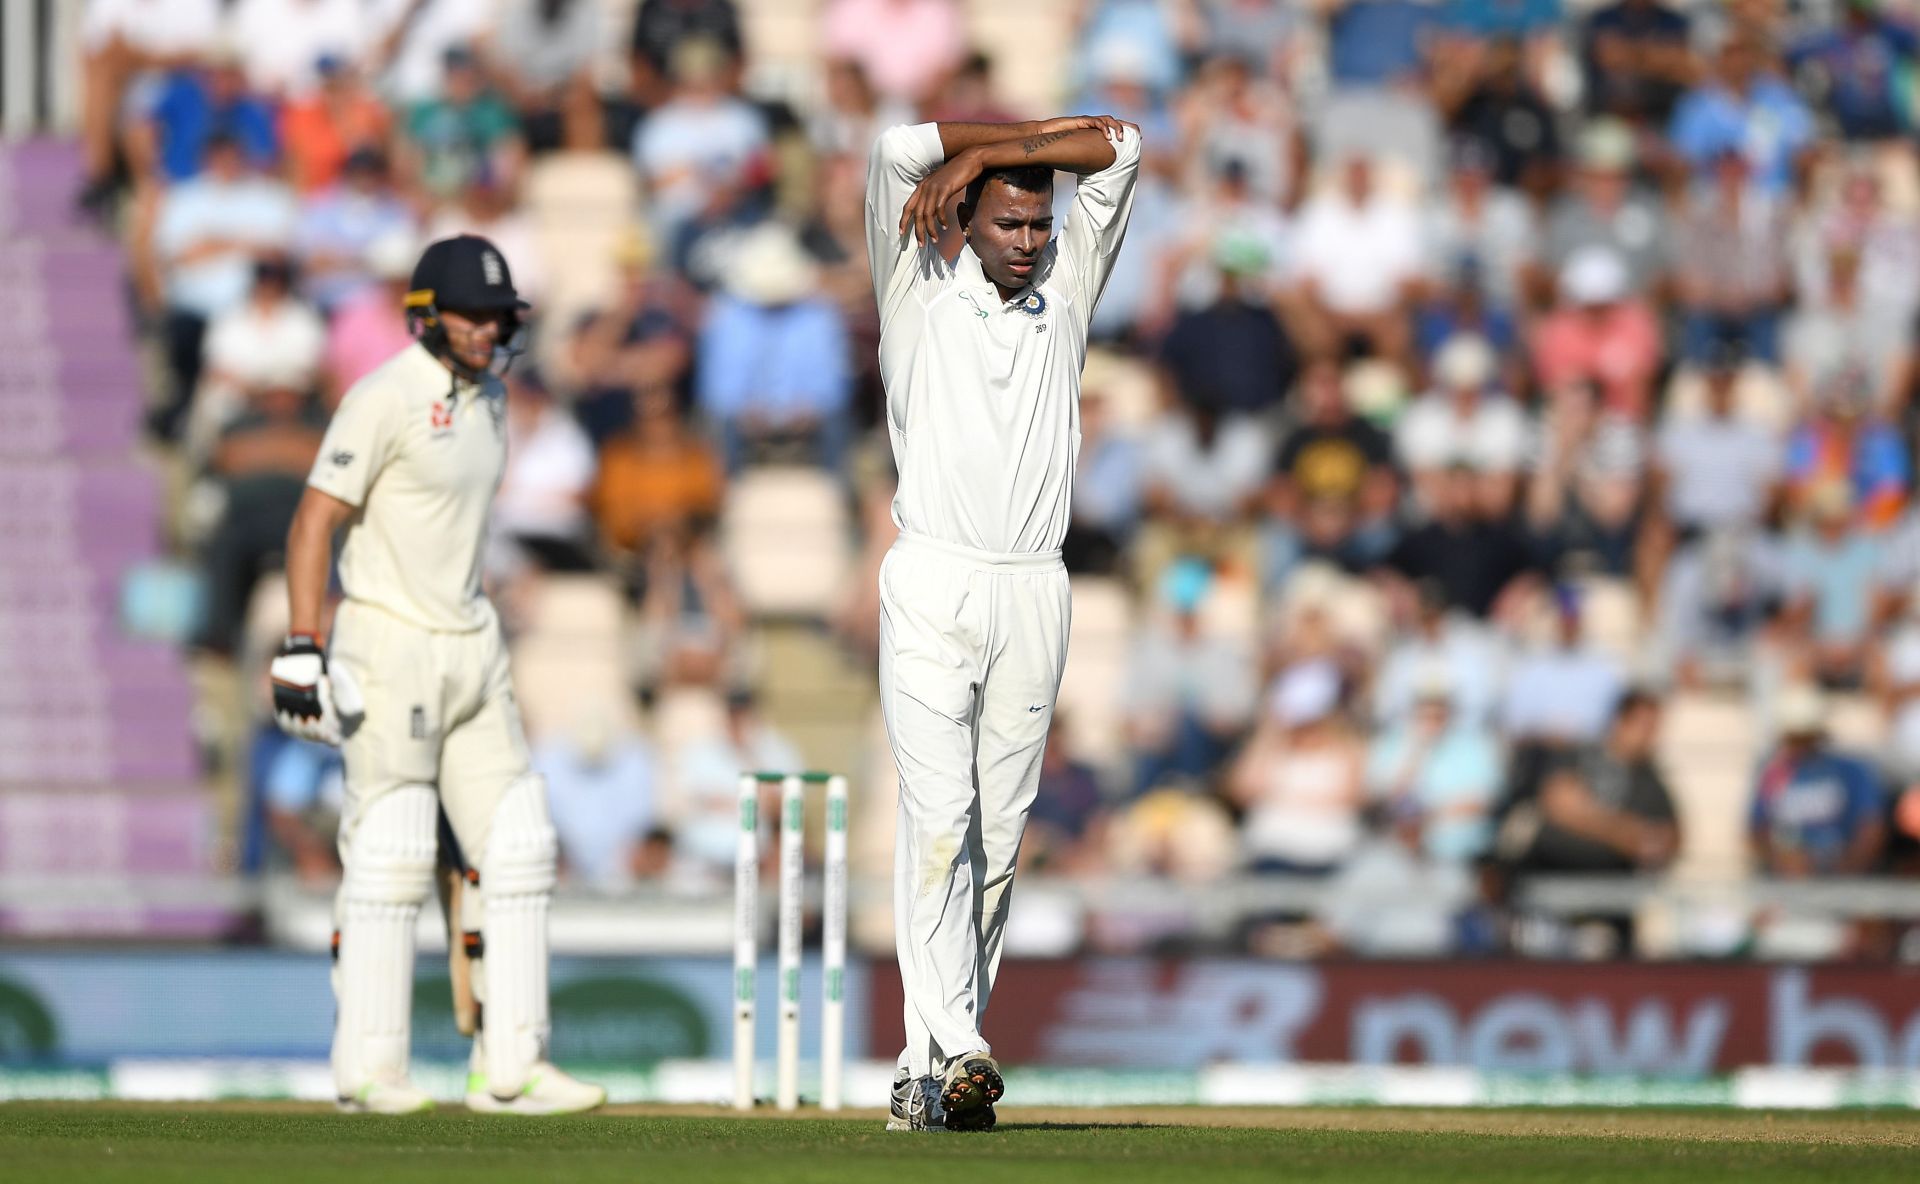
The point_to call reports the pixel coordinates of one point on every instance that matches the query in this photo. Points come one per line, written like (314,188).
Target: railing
(39,66)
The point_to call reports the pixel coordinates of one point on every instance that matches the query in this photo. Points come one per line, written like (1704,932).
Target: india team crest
(1034,304)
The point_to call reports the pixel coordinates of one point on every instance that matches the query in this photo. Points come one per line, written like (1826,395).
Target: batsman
(982,341)
(413,685)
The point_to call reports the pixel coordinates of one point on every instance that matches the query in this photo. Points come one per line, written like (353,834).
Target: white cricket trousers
(971,649)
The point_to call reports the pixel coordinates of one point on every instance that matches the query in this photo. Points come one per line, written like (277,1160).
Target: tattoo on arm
(1033,144)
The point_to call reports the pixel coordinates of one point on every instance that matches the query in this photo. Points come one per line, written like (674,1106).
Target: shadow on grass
(1074,1126)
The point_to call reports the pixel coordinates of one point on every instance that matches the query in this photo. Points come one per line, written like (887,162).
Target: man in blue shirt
(194,104)
(1748,108)
(1815,811)
(1861,70)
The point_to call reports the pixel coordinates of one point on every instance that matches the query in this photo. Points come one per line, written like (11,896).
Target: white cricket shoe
(548,1091)
(386,1097)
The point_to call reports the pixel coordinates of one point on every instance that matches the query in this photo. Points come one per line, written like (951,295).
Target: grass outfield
(291,1143)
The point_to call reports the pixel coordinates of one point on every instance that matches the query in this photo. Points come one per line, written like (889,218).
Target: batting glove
(302,696)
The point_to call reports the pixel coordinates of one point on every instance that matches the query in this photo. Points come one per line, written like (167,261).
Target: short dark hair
(1634,700)
(1028,178)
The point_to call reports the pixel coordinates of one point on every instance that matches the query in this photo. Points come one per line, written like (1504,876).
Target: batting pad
(516,879)
(388,854)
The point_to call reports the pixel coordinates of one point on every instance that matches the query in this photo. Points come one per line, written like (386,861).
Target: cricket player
(980,351)
(415,689)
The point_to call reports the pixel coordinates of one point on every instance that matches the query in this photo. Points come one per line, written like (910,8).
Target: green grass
(290,1144)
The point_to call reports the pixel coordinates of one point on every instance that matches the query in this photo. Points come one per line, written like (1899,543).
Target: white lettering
(1797,1026)
(1380,1026)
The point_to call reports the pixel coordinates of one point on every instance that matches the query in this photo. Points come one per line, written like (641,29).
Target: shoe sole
(349,1106)
(978,1085)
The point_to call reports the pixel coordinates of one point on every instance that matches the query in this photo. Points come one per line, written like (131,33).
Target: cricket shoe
(916,1105)
(972,1083)
(386,1097)
(971,1120)
(547,1091)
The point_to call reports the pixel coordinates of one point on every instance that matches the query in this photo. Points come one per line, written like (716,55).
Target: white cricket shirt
(983,395)
(420,456)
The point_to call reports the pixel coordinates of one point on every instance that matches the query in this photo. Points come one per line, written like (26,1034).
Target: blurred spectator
(425,41)
(542,55)
(191,105)
(1380,43)
(324,132)
(487,207)
(209,232)
(1067,827)
(1816,812)
(1149,36)
(1731,272)
(602,795)
(1300,780)
(1203,469)
(701,146)
(1843,321)
(905,46)
(1600,334)
(706,817)
(540,509)
(1190,694)
(1585,499)
(1636,61)
(1718,471)
(1829,570)
(460,131)
(1605,808)
(1462,423)
(967,96)
(302,791)
(1504,116)
(853,115)
(1845,442)
(119,41)
(1604,208)
(773,355)
(1358,255)
(660,27)
(1744,106)
(1232,356)
(371,326)
(1473,556)
(261,464)
(1563,691)
(339,226)
(641,338)
(284,41)
(1894,676)
(1855,69)
(272,340)
(1230,116)
(1714,598)
(1271,36)
(1434,641)
(1438,774)
(1221,233)
(691,628)
(655,477)
(1331,495)
(1482,234)
(1107,489)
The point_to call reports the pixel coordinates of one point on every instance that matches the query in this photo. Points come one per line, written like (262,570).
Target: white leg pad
(388,859)
(517,873)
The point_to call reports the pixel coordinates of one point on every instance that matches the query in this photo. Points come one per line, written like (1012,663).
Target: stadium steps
(98,775)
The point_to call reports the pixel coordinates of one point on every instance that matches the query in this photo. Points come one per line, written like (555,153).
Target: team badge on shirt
(1034,304)
(442,417)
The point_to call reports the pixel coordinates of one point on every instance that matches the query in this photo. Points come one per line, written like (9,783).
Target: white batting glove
(302,694)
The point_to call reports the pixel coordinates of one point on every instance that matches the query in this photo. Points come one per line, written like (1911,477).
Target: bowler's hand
(1116,129)
(925,213)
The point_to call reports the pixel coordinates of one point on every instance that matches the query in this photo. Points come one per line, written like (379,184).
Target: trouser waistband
(983,560)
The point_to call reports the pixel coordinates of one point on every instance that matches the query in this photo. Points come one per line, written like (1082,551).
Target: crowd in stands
(1478,376)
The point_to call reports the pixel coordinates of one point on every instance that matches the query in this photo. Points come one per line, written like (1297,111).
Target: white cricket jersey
(420,456)
(983,395)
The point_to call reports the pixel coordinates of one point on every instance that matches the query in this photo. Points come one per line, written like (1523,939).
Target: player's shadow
(1074,1126)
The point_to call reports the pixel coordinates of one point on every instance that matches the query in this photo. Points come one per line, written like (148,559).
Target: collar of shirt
(458,384)
(971,275)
